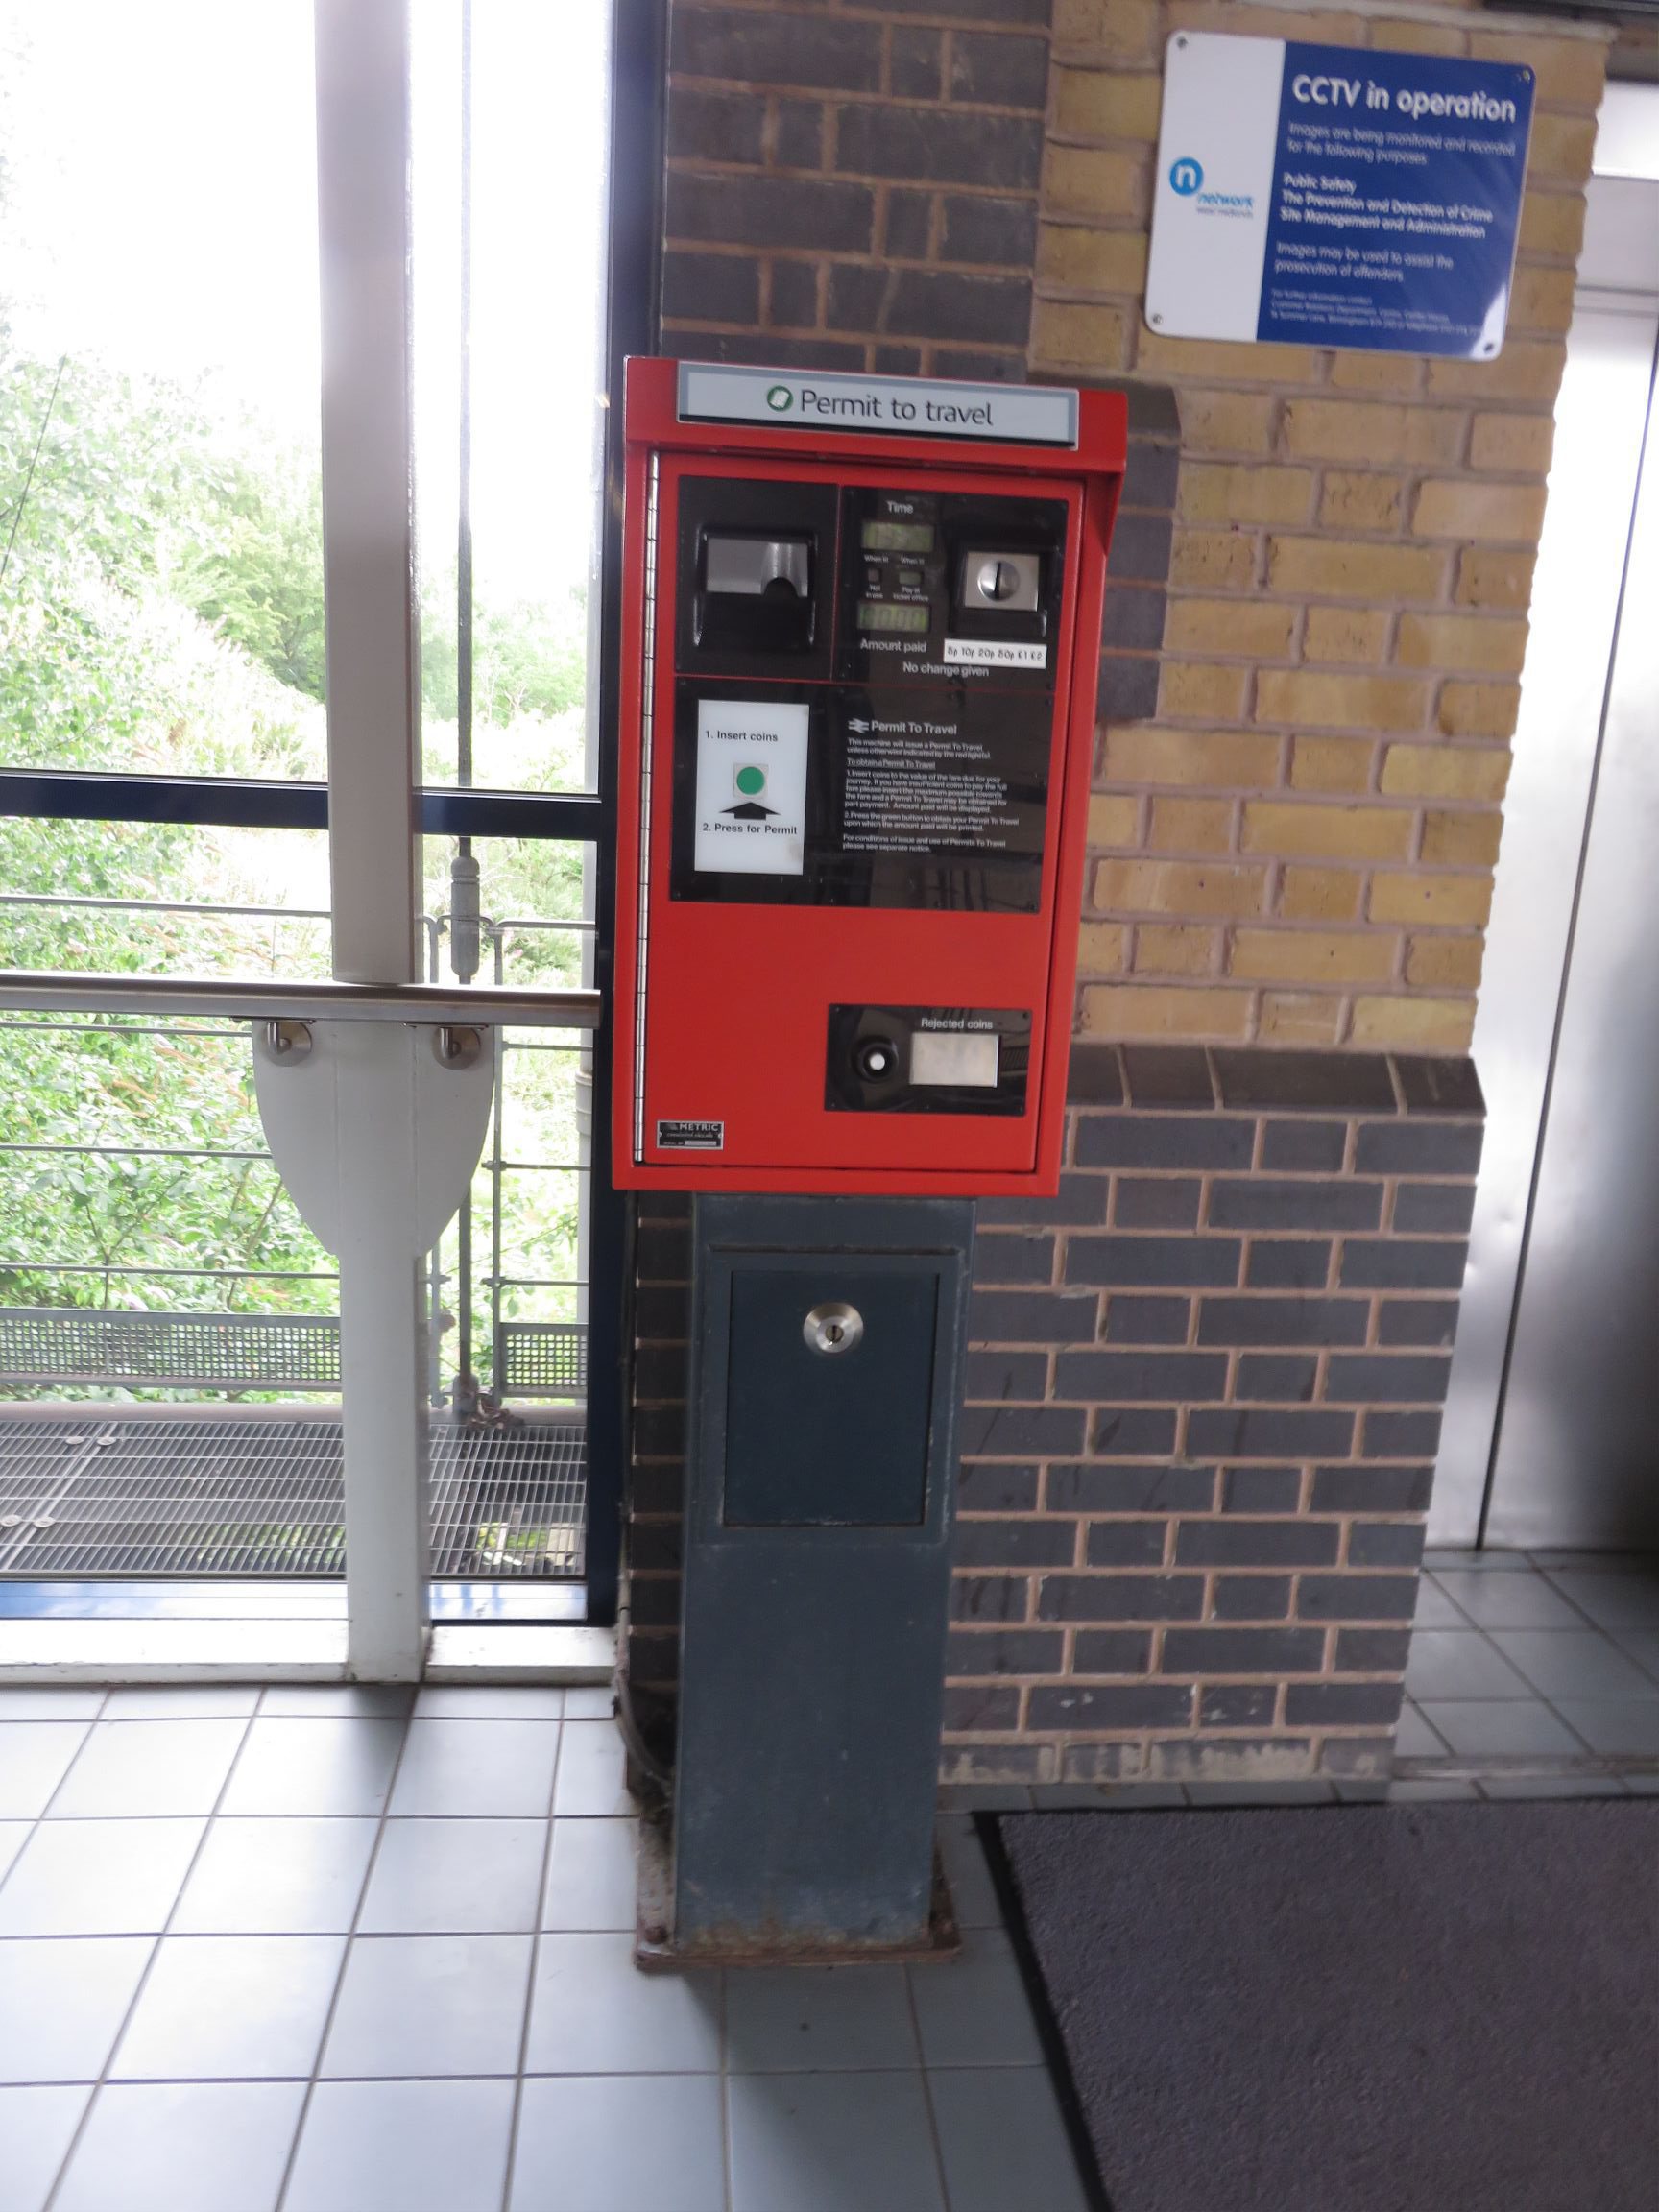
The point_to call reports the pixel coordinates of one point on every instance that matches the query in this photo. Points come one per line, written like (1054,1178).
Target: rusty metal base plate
(654,1951)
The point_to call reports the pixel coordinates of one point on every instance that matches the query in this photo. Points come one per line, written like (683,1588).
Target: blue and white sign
(1335,196)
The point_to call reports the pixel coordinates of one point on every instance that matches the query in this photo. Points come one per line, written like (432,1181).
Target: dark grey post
(828,1340)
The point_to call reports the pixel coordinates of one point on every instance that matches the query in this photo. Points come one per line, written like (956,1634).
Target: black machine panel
(927,1059)
(933,799)
(938,588)
(756,564)
(918,777)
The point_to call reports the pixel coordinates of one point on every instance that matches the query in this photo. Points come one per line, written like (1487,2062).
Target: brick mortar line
(1373,1677)
(832,100)
(1518,28)
(853,257)
(943,19)
(856,338)
(985,271)
(1225,791)
(694,167)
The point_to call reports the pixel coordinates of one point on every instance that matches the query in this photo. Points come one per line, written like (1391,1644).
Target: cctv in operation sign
(1333,196)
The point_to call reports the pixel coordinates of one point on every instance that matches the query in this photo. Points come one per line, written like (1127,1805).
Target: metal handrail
(264,998)
(55,899)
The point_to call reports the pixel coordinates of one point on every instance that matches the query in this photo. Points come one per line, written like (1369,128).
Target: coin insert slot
(1006,582)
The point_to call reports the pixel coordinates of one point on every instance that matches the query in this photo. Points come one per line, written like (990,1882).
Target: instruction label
(994,653)
(932,782)
(750,787)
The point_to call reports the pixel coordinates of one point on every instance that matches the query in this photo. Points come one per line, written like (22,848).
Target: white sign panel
(1215,177)
(1337,196)
(994,653)
(750,787)
(906,406)
(966,1057)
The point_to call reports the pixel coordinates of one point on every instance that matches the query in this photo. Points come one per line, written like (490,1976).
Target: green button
(751,782)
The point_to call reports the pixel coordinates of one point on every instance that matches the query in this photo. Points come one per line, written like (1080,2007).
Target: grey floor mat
(1356,2008)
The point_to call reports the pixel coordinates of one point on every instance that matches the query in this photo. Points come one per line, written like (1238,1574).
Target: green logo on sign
(779,398)
(751,782)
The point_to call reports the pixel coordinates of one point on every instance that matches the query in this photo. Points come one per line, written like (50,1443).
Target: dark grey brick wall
(1196,1457)
(848,187)
(1203,1400)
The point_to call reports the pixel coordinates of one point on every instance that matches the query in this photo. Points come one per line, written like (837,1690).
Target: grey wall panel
(1578,1459)
(1593,483)
(817,1571)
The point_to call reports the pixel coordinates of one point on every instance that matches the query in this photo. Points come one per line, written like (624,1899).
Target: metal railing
(169,1351)
(263,998)
(120,1349)
(219,1350)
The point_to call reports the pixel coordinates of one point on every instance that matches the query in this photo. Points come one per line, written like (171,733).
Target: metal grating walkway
(173,1351)
(40,1345)
(139,1496)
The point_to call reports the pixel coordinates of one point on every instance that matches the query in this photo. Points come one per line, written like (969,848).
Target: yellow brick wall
(1299,850)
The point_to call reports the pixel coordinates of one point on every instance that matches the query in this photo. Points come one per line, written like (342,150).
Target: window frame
(634,200)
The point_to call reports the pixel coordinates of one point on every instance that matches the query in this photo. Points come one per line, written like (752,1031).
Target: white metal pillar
(373,702)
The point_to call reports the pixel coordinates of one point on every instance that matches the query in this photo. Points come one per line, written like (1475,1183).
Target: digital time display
(897,538)
(890,614)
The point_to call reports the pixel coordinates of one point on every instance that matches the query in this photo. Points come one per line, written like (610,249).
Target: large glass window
(160,523)
(509,342)
(164,808)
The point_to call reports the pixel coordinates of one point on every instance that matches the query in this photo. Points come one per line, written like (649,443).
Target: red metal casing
(721,1010)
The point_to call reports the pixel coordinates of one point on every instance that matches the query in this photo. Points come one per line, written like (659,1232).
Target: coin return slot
(758,567)
(969,1058)
(756,597)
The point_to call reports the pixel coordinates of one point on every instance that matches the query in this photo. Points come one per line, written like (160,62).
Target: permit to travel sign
(909,406)
(1337,196)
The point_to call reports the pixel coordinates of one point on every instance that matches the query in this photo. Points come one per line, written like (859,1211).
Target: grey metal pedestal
(828,1339)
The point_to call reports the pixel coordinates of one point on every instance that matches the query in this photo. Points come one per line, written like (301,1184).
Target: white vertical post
(372,688)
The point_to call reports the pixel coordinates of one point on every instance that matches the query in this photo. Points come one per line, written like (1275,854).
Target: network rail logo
(1187,183)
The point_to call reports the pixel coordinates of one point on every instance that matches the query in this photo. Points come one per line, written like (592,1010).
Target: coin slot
(998,581)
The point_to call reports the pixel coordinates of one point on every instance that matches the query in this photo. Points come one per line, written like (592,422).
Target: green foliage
(157,607)
(257,575)
(161,613)
(89,1085)
(528,658)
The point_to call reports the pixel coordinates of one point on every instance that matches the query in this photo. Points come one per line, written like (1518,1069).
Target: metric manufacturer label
(691,1135)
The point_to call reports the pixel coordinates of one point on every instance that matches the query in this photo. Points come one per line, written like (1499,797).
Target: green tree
(257,573)
(162,612)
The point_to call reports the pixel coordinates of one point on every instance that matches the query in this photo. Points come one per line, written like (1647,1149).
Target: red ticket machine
(861,624)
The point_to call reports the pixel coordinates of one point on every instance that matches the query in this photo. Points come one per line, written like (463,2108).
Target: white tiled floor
(1544,1656)
(303,1951)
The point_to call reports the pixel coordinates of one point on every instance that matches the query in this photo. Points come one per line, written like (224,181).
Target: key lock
(833,1326)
